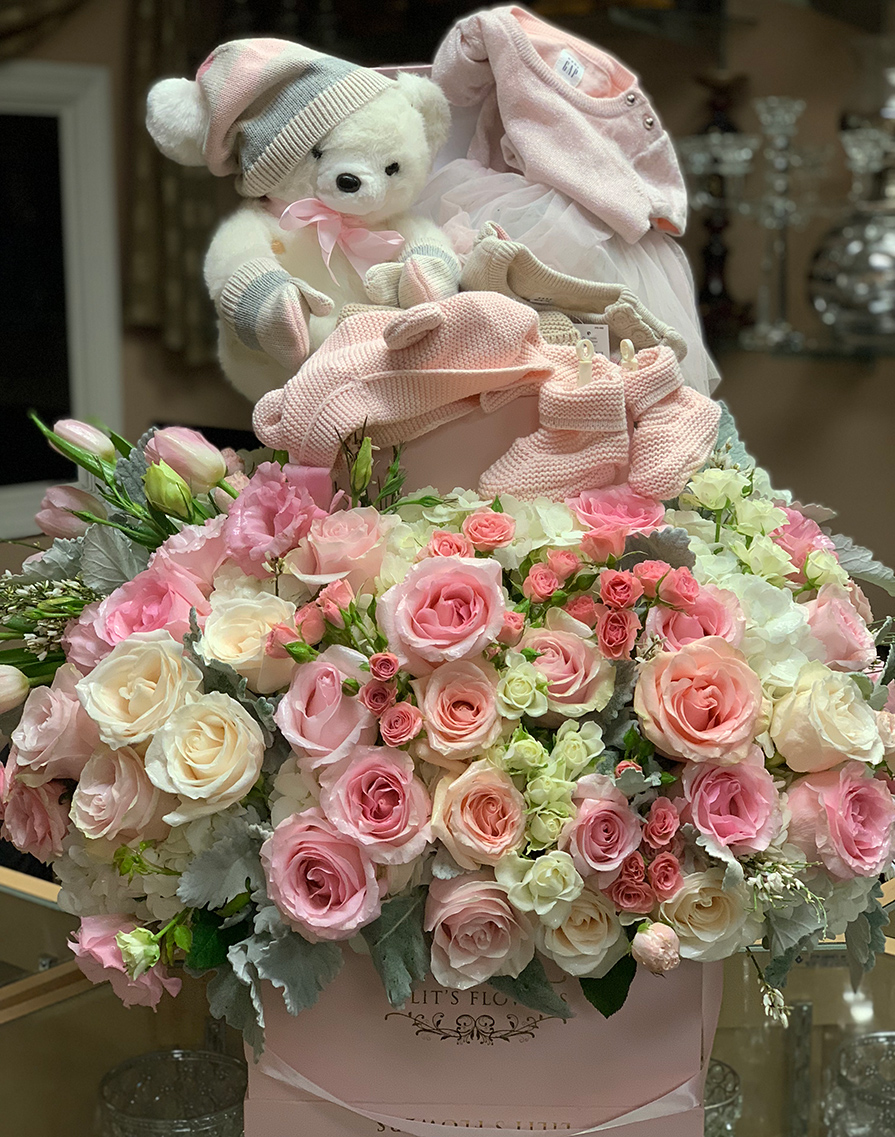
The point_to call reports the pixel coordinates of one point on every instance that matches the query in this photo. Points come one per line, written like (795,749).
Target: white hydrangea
(402,547)
(539,524)
(175,853)
(452,507)
(91,884)
(291,792)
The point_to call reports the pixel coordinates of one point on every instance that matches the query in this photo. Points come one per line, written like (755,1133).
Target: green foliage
(211,940)
(608,994)
(398,944)
(533,989)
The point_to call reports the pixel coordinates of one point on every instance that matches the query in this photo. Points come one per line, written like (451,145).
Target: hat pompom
(177,119)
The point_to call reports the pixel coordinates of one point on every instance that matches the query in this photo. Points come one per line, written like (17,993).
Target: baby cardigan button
(648,121)
(630,98)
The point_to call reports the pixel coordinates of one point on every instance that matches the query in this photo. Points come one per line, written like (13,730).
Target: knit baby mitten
(675,427)
(422,273)
(269,310)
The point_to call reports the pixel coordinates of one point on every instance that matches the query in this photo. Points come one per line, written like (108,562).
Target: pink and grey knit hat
(256,108)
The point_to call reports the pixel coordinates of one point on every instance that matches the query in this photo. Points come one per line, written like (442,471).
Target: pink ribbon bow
(362,247)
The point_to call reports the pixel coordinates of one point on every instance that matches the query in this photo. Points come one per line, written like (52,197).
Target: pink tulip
(190,454)
(14,687)
(88,437)
(56,517)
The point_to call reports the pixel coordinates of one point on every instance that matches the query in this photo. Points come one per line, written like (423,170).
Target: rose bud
(189,454)
(656,947)
(87,437)
(14,687)
(167,491)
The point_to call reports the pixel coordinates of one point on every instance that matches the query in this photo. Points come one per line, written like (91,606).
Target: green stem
(222,485)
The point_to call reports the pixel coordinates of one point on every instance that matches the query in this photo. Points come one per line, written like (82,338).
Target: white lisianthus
(764,558)
(589,941)
(209,753)
(821,568)
(546,886)
(716,489)
(694,523)
(712,921)
(236,633)
(756,516)
(522,690)
(139,951)
(291,793)
(577,743)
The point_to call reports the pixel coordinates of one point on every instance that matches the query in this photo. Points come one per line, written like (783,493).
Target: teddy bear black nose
(348,183)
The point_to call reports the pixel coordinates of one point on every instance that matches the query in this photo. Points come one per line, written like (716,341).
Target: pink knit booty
(675,428)
(582,442)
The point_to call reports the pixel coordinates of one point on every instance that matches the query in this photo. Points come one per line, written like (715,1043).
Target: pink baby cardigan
(566,115)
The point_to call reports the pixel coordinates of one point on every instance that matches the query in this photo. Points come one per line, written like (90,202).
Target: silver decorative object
(723,1100)
(174,1093)
(860,1095)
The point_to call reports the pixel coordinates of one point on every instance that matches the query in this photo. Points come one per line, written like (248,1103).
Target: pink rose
(564,563)
(540,584)
(99,957)
(834,621)
(157,598)
(400,724)
(650,573)
(513,627)
(197,551)
(604,542)
(662,822)
(678,588)
(116,800)
(384,665)
(270,517)
(333,600)
(579,679)
(699,704)
(56,517)
(377,696)
(618,506)
(310,624)
(657,948)
(35,819)
(617,631)
(317,718)
(476,932)
(715,612)
(604,831)
(479,816)
(350,542)
(859,600)
(799,537)
(583,609)
(665,876)
(844,818)
(82,643)
(619,589)
(633,868)
(459,706)
(323,883)
(738,807)
(444,609)
(627,764)
(632,896)
(55,735)
(489,530)
(444,543)
(374,798)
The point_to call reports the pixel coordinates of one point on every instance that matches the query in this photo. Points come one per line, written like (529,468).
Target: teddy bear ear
(412,326)
(429,99)
(177,119)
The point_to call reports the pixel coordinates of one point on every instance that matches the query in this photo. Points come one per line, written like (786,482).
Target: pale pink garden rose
(618,506)
(458,702)
(478,816)
(579,679)
(323,883)
(591,939)
(699,704)
(476,932)
(665,876)
(35,819)
(657,948)
(197,551)
(736,807)
(82,643)
(444,543)
(445,609)
(715,612)
(799,537)
(374,798)
(188,453)
(604,831)
(156,598)
(321,722)
(270,517)
(400,724)
(847,642)
(662,823)
(617,631)
(351,543)
(99,957)
(115,799)
(55,736)
(56,515)
(489,530)
(540,584)
(844,818)
(237,632)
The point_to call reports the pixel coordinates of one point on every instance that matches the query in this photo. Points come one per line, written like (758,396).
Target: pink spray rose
(318,719)
(334,599)
(678,588)
(476,932)
(632,896)
(579,679)
(197,551)
(604,831)
(662,822)
(56,517)
(323,883)
(665,876)
(604,541)
(799,537)
(564,563)
(583,609)
(384,665)
(619,506)
(444,543)
(459,706)
(35,819)
(83,645)
(99,957)
(116,800)
(270,517)
(844,818)
(377,696)
(444,609)
(650,573)
(309,623)
(374,798)
(715,612)
(699,704)
(619,589)
(848,644)
(350,542)
(55,735)
(479,816)
(617,631)
(155,599)
(513,627)
(737,807)
(657,948)
(489,530)
(400,724)
(540,584)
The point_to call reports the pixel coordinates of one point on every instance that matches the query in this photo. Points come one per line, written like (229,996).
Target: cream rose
(138,687)
(711,921)
(824,721)
(546,886)
(115,799)
(590,941)
(236,633)
(209,753)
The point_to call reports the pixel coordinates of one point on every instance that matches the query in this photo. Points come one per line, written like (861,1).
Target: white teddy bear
(330,157)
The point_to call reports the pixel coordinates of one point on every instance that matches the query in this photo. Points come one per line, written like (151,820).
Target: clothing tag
(598,334)
(569,67)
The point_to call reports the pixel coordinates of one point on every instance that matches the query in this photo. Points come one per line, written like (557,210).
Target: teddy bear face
(372,165)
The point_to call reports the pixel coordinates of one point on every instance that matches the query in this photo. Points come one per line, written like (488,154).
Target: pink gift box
(476,1059)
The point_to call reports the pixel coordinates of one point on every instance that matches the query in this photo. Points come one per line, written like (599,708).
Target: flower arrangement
(268,721)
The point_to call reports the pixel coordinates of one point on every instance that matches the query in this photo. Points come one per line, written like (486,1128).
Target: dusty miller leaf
(213,878)
(790,930)
(860,563)
(889,670)
(777,971)
(129,471)
(622,694)
(299,969)
(534,990)
(238,1002)
(671,545)
(109,559)
(818,513)
(398,945)
(865,938)
(729,440)
(62,561)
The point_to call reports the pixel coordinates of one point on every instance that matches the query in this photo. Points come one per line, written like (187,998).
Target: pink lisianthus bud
(540,584)
(56,516)
(513,627)
(88,437)
(14,688)
(384,665)
(656,947)
(200,464)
